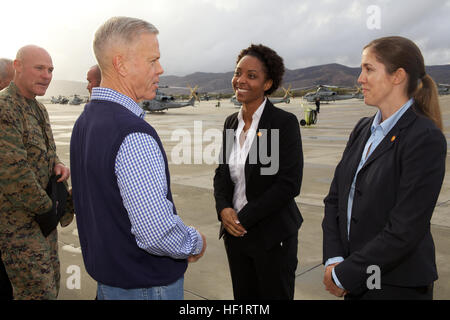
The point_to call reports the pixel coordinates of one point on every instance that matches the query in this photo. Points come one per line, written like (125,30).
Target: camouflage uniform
(27,158)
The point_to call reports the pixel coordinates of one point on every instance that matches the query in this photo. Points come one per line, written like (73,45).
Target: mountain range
(329,74)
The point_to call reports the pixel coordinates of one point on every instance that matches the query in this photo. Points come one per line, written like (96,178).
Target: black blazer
(271,212)
(395,195)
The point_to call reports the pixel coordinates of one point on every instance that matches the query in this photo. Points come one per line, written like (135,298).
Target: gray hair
(119,29)
(4,64)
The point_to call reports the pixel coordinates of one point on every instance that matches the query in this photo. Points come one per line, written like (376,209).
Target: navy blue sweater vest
(110,252)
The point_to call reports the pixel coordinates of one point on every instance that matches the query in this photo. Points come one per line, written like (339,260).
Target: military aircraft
(160,96)
(324,93)
(310,113)
(164,102)
(76,100)
(205,97)
(285,99)
(358,94)
(59,100)
(443,89)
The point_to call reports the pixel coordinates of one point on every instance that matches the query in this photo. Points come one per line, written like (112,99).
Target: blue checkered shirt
(141,177)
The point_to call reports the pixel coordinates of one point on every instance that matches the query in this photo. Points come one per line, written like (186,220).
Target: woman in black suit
(377,242)
(257,180)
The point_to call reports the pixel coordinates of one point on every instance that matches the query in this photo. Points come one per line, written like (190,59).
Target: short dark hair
(272,63)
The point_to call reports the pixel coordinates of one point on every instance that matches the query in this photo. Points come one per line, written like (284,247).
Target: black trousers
(6,292)
(259,274)
(388,292)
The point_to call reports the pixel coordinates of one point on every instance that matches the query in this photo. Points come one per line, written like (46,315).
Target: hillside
(66,88)
(329,74)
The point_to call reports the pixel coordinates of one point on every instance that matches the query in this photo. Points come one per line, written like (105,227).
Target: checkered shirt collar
(107,94)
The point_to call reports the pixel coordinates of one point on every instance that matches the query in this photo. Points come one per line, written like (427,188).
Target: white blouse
(242,143)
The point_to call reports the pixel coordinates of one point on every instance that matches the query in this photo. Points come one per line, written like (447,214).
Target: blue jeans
(174,291)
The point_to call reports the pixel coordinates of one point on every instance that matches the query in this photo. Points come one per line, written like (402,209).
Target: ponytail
(426,98)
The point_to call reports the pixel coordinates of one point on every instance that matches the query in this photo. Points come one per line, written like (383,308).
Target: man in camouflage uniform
(27,160)
(6,75)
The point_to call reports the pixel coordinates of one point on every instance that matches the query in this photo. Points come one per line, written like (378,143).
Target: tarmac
(197,130)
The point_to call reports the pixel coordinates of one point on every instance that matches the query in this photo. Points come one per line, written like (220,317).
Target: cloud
(207,35)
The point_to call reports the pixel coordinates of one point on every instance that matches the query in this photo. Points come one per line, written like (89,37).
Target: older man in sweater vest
(133,242)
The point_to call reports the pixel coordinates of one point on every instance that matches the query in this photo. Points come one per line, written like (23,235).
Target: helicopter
(443,89)
(76,100)
(358,94)
(59,100)
(285,99)
(55,100)
(162,97)
(165,102)
(324,93)
(205,97)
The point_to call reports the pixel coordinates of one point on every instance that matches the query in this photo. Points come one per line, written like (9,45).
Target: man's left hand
(61,169)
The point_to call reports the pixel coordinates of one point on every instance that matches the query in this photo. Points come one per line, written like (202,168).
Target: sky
(207,35)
